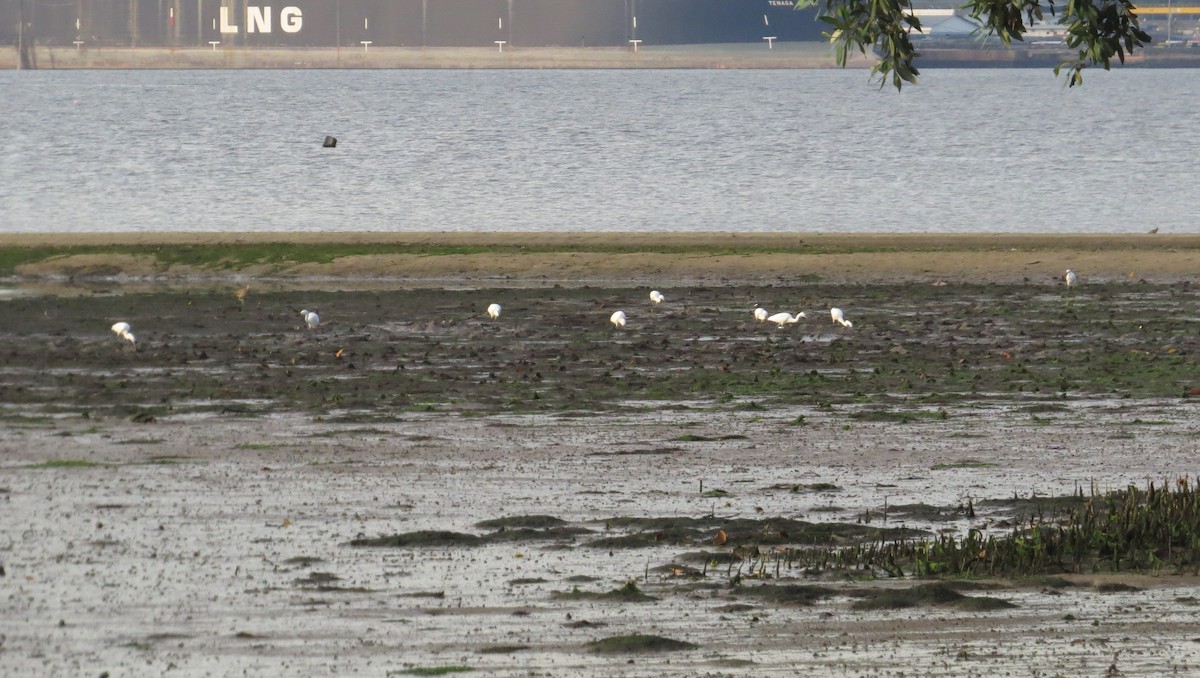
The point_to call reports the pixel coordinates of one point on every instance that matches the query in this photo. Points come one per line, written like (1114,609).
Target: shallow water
(741,151)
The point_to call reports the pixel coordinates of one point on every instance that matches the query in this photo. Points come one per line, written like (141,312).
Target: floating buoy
(330,142)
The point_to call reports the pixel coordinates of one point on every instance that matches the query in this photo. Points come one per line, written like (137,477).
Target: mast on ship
(24,47)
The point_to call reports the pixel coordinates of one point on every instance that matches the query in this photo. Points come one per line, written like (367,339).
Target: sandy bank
(709,258)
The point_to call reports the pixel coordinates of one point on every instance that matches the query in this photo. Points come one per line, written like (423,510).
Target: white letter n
(258,19)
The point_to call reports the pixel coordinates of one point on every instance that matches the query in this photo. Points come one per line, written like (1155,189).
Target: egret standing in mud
(837,316)
(617,319)
(124,331)
(785,318)
(1070,278)
(311,319)
(657,297)
(493,311)
(760,314)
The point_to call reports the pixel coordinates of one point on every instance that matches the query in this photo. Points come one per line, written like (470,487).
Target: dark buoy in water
(330,142)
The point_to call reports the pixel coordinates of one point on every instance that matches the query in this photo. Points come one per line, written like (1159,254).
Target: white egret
(617,319)
(310,318)
(839,317)
(494,311)
(657,297)
(124,331)
(785,318)
(1070,278)
(760,314)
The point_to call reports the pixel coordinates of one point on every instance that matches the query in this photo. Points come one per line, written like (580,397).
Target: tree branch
(1097,29)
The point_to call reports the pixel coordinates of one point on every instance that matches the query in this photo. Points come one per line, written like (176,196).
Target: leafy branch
(1097,29)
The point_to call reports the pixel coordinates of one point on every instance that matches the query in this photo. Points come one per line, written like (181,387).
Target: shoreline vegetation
(779,55)
(509,258)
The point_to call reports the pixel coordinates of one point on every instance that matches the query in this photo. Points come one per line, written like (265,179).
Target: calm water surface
(744,151)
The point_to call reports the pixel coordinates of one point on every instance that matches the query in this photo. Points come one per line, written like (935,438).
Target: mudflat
(414,488)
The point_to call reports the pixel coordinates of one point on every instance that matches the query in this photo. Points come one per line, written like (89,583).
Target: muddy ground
(210,501)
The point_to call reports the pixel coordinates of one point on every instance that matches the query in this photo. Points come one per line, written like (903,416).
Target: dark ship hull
(413,23)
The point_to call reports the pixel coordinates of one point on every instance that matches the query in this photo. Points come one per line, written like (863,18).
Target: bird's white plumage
(784,318)
(1070,278)
(617,319)
(838,316)
(657,297)
(493,311)
(310,318)
(124,331)
(760,314)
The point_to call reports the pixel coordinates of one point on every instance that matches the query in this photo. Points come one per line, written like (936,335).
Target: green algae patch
(982,604)
(65,463)
(916,596)
(788,594)
(432,671)
(963,463)
(629,593)
(419,538)
(565,533)
(637,643)
(502,649)
(741,531)
(534,522)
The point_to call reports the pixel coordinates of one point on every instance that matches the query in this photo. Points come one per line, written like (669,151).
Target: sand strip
(709,258)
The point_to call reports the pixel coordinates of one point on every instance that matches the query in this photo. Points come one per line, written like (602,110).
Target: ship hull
(407,23)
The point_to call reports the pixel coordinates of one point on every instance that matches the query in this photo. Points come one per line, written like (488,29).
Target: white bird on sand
(617,319)
(760,314)
(839,317)
(657,297)
(785,318)
(124,331)
(494,311)
(310,318)
(1070,278)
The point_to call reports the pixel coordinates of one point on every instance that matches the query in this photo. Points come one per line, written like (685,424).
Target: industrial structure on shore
(402,23)
(246,25)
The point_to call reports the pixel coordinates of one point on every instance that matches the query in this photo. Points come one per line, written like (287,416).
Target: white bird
(124,331)
(494,311)
(785,318)
(760,314)
(310,318)
(1070,278)
(657,297)
(617,319)
(839,317)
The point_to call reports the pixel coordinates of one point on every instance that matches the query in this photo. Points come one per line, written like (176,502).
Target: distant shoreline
(805,55)
(780,55)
